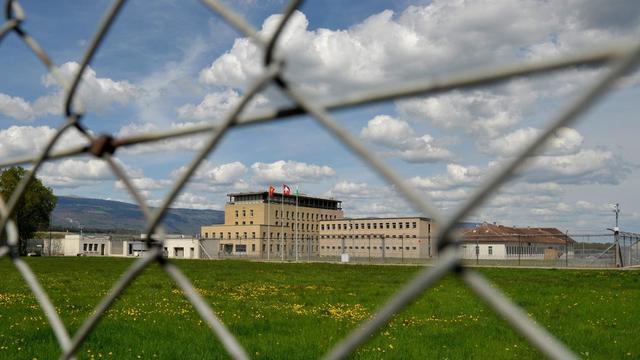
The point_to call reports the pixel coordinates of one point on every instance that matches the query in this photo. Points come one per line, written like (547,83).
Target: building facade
(257,225)
(399,237)
(498,242)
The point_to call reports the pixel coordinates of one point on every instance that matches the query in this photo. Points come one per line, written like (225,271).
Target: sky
(172,64)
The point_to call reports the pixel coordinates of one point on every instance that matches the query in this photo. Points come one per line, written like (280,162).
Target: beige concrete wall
(246,224)
(403,237)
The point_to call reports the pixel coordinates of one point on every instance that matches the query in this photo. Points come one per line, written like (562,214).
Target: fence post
(566,249)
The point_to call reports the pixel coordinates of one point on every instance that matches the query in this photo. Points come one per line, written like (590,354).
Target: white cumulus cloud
(290,171)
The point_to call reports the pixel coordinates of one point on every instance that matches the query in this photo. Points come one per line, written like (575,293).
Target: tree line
(33,210)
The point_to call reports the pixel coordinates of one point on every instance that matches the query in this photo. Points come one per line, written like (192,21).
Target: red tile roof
(501,234)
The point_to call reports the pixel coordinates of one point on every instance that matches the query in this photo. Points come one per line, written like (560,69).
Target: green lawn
(288,311)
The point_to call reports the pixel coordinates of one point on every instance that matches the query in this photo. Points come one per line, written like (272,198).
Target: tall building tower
(280,226)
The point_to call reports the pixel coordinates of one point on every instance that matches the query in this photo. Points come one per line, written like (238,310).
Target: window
(339,226)
(84,247)
(221,235)
(237,235)
(236,213)
(228,235)
(368,226)
(244,213)
(251,222)
(356,226)
(413,248)
(333,226)
(399,225)
(406,225)
(490,250)
(375,226)
(387,225)
(276,214)
(244,223)
(393,225)
(236,223)
(322,227)
(206,235)
(251,213)
(253,235)
(414,224)
(253,247)
(241,248)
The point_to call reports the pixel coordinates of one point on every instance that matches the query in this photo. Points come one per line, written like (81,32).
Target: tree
(33,211)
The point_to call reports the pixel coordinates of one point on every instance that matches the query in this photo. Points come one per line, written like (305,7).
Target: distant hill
(120,217)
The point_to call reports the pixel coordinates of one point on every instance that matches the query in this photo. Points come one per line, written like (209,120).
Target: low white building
(498,242)
(81,245)
(175,246)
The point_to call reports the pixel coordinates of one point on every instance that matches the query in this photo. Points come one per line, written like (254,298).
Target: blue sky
(168,64)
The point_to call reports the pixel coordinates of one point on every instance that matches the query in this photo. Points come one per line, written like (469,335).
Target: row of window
(90,247)
(253,236)
(368,248)
(365,236)
(244,213)
(245,223)
(242,248)
(301,215)
(356,226)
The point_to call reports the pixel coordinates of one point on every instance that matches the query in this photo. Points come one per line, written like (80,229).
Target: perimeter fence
(620,61)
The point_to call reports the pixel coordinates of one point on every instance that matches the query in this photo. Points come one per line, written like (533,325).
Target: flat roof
(381,218)
(300,200)
(279,194)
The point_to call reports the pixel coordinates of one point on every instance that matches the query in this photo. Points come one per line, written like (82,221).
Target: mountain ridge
(100,215)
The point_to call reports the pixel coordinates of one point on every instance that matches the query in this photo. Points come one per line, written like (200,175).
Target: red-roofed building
(498,242)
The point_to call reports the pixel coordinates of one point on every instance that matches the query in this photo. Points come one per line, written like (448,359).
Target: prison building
(256,225)
(498,242)
(399,237)
(80,245)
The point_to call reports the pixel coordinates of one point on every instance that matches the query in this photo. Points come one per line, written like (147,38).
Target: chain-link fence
(621,61)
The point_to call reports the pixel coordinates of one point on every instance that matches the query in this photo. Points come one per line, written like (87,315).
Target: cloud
(189,200)
(96,94)
(217,105)
(389,47)
(456,175)
(73,173)
(585,167)
(290,171)
(16,107)
(215,174)
(566,141)
(145,184)
(480,113)
(399,136)
(188,143)
(30,140)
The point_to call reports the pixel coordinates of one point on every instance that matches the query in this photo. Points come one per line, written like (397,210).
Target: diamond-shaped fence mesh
(619,60)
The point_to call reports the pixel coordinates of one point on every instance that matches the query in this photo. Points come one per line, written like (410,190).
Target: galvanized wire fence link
(622,60)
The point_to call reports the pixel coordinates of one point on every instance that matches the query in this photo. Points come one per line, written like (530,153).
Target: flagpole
(269,224)
(282,225)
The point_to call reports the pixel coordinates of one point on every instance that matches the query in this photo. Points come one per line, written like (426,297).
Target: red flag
(271,191)
(286,191)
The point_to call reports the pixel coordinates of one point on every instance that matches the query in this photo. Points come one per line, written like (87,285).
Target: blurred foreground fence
(619,60)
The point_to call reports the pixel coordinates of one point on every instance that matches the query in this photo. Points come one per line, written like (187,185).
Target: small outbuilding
(497,242)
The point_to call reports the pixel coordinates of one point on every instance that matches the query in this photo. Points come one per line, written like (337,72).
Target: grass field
(287,311)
